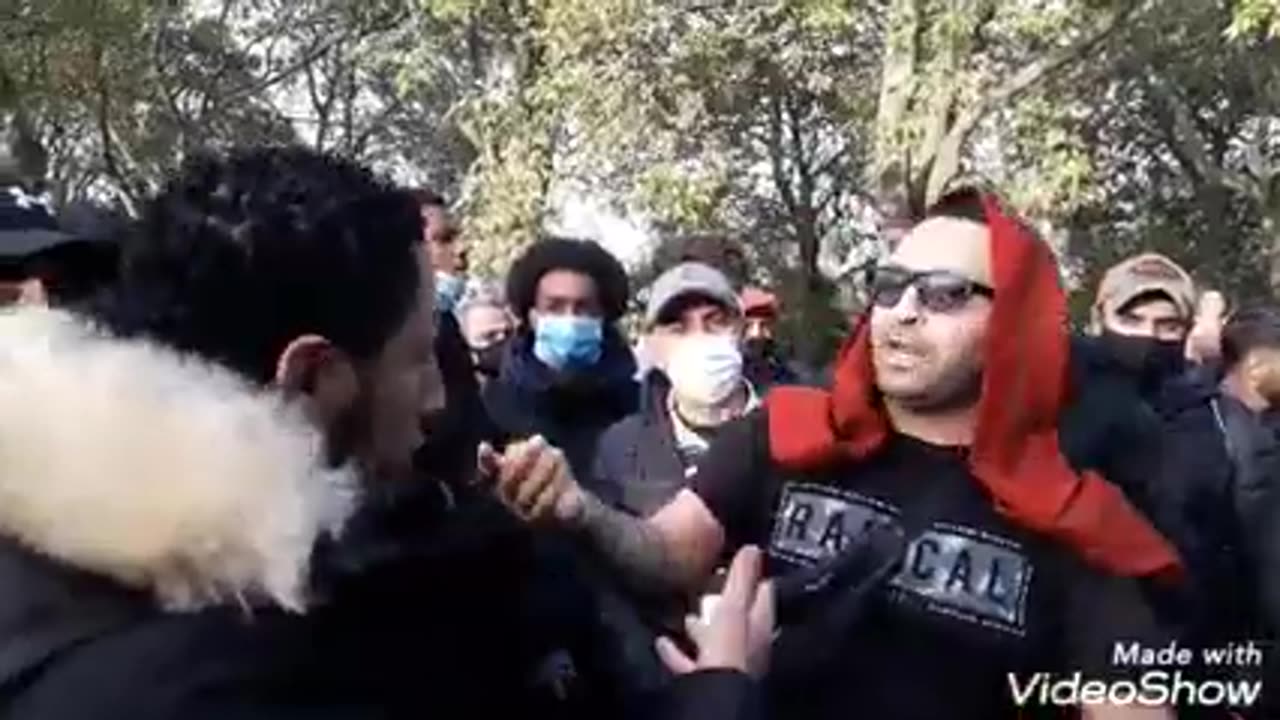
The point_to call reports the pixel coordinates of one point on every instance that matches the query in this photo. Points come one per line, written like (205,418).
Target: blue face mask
(564,342)
(449,290)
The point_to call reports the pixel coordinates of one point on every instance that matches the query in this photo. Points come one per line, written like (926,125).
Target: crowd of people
(268,451)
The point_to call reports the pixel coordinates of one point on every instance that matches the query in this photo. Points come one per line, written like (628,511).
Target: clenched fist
(534,480)
(1204,341)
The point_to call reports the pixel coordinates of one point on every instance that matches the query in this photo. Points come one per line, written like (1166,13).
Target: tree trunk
(810,244)
(1271,231)
(891,166)
(1222,248)
(23,158)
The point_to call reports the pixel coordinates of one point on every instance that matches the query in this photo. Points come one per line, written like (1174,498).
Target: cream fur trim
(157,470)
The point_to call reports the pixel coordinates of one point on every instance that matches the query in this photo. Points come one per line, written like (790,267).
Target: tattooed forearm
(630,545)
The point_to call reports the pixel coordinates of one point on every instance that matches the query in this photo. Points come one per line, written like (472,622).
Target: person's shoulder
(165,665)
(1088,359)
(753,425)
(1103,420)
(622,436)
(510,409)
(1098,387)
(743,442)
(1189,392)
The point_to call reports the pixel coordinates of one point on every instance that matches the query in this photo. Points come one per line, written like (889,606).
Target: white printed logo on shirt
(958,571)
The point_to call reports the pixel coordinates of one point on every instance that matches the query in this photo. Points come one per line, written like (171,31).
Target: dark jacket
(79,648)
(570,410)
(638,467)
(187,601)
(1222,465)
(1207,491)
(1264,531)
(1111,422)
(454,433)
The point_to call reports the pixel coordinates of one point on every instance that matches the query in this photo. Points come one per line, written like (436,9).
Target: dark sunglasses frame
(937,290)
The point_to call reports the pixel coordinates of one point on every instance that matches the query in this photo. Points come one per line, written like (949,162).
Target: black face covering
(489,360)
(757,350)
(1146,357)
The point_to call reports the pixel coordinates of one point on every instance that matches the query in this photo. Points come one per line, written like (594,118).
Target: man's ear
(313,370)
(32,291)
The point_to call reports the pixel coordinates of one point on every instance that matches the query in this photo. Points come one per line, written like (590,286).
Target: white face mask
(705,369)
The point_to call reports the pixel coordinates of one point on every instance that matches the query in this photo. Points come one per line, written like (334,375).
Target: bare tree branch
(947,159)
(897,84)
(1189,144)
(375,124)
(317,51)
(777,158)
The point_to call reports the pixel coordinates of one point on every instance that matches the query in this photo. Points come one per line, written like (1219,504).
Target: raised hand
(1204,342)
(739,632)
(534,480)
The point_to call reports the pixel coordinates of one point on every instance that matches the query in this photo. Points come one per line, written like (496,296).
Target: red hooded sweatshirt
(1015,454)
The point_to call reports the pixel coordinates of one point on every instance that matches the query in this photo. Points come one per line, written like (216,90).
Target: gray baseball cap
(683,280)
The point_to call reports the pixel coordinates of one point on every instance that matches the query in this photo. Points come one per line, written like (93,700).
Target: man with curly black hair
(265,354)
(176,472)
(569,374)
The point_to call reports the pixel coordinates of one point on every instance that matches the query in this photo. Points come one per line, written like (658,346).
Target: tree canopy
(805,133)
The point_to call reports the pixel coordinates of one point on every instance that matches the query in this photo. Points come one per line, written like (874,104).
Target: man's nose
(907,310)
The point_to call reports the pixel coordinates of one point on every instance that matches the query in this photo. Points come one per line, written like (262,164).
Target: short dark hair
(239,255)
(73,272)
(963,203)
(427,197)
(1148,297)
(684,302)
(581,256)
(1248,330)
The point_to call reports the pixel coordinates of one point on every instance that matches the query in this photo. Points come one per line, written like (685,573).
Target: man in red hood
(942,422)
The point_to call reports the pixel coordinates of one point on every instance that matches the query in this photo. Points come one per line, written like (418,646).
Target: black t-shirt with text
(976,597)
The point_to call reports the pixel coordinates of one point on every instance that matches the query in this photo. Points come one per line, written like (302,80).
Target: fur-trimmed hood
(163,473)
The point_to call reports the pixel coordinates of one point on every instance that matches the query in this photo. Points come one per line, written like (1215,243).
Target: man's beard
(348,437)
(957,390)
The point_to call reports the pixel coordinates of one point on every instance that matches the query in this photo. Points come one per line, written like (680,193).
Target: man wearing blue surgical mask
(453,432)
(445,246)
(569,373)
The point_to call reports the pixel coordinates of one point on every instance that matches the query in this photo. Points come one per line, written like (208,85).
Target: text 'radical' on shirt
(974,598)
(956,569)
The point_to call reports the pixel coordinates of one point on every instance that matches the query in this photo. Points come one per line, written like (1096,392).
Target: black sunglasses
(938,290)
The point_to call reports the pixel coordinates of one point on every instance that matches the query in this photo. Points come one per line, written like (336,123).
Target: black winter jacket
(135,662)
(165,579)
(1222,466)
(638,467)
(1110,422)
(452,435)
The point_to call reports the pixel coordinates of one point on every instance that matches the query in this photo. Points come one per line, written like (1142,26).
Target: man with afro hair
(569,373)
